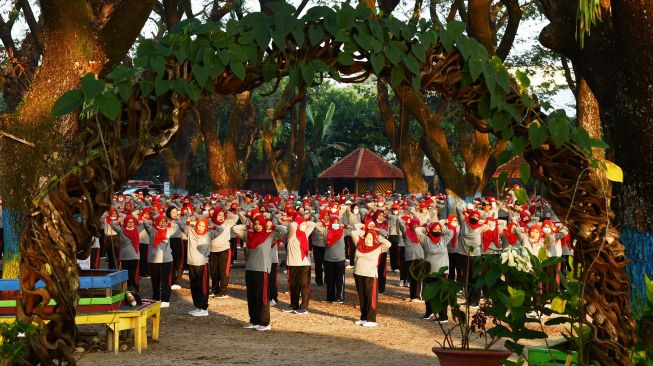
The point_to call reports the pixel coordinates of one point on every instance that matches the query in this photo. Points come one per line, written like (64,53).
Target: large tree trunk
(227,159)
(179,155)
(50,236)
(407,148)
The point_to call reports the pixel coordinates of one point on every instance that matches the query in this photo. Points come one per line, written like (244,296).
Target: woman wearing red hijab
(299,264)
(369,248)
(334,261)
(221,252)
(259,241)
(199,243)
(412,255)
(128,240)
(160,259)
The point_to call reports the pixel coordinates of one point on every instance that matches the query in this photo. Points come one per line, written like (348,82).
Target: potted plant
(513,279)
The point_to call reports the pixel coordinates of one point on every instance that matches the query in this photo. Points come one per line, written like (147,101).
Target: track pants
(299,285)
(415,284)
(335,280)
(382,271)
(133,269)
(220,268)
(318,256)
(272,283)
(161,277)
(258,303)
(394,252)
(199,285)
(367,297)
(143,249)
(178,260)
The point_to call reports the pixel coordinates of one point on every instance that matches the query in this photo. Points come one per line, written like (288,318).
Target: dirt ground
(327,335)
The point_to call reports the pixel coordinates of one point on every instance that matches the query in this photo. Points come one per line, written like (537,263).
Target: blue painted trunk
(639,250)
(13,224)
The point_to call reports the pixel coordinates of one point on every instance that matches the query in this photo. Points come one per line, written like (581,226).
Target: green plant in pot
(14,342)
(513,280)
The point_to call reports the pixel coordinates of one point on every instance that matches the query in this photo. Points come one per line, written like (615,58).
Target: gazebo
(362,171)
(259,179)
(511,169)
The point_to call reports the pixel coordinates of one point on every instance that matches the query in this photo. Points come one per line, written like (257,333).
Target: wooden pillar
(356,186)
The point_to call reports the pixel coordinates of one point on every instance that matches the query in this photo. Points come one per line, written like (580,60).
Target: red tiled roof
(511,168)
(362,163)
(260,172)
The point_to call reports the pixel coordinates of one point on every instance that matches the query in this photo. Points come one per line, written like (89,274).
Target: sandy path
(327,335)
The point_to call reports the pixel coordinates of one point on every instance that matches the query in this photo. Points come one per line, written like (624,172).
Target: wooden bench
(118,320)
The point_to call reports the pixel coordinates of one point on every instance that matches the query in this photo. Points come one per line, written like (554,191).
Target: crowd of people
(156,237)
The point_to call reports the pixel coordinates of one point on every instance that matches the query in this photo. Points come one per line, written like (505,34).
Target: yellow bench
(118,320)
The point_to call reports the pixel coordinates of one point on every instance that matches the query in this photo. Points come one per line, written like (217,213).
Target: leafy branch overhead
(350,45)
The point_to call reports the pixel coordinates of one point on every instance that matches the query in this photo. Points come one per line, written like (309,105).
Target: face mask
(355,211)
(380,204)
(335,226)
(334,210)
(454,223)
(436,233)
(546,230)
(394,212)
(473,221)
(491,226)
(379,221)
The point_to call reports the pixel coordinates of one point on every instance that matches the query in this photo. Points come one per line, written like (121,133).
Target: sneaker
(396,271)
(428,316)
(212,296)
(301,311)
(165,304)
(185,271)
(222,296)
(273,303)
(360,322)
(349,267)
(442,320)
(339,301)
(145,277)
(175,287)
(249,326)
(193,311)
(416,300)
(288,310)
(401,283)
(262,328)
(473,306)
(532,313)
(201,312)
(406,284)
(370,324)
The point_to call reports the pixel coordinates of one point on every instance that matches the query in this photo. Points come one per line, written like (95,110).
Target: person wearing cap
(369,246)
(258,237)
(299,264)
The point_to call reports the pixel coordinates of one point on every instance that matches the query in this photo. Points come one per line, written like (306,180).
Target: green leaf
(411,64)
(537,134)
(91,87)
(345,17)
(68,102)
(519,144)
(345,59)
(476,67)
(315,34)
(521,195)
(558,305)
(500,121)
(376,29)
(504,157)
(121,73)
(525,172)
(396,76)
(147,86)
(517,297)
(109,105)
(125,90)
(598,143)
(201,74)
(158,64)
(501,181)
(378,62)
(238,68)
(419,52)
(193,92)
(558,320)
(298,35)
(559,128)
(307,73)
(583,139)
(161,86)
(522,78)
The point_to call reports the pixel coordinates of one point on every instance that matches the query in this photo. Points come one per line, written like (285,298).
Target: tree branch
(478,24)
(300,8)
(417,12)
(570,79)
(514,17)
(218,12)
(32,23)
(387,115)
(125,24)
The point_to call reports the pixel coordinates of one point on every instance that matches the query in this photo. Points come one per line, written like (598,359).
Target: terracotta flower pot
(454,357)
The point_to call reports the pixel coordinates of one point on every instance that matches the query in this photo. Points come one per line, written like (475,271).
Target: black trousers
(299,285)
(133,269)
(199,285)
(367,297)
(403,266)
(334,276)
(473,293)
(178,259)
(95,258)
(103,249)
(318,256)
(161,277)
(273,283)
(394,251)
(454,266)
(143,249)
(415,284)
(258,303)
(234,248)
(112,248)
(350,249)
(382,271)
(442,314)
(220,268)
